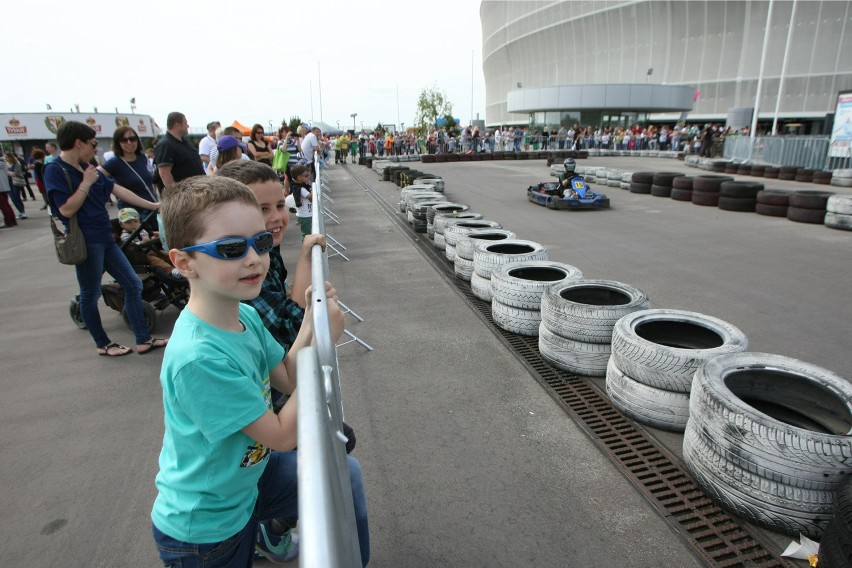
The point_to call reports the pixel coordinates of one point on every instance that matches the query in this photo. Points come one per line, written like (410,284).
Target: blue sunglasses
(234,248)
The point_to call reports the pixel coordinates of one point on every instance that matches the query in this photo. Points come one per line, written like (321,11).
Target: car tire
(705,198)
(462,267)
(810,199)
(681,194)
(637,187)
(661,190)
(587,310)
(771,210)
(466,245)
(839,204)
(480,287)
(774,197)
(522,284)
(515,320)
(663,348)
(654,407)
(813,216)
(587,359)
(838,221)
(767,438)
(835,549)
(737,204)
(488,257)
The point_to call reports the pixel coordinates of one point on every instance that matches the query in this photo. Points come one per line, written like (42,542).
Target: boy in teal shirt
(227,461)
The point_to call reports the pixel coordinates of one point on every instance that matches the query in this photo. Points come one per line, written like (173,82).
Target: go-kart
(577,195)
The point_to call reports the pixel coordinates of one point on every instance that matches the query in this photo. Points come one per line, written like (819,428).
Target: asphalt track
(467,461)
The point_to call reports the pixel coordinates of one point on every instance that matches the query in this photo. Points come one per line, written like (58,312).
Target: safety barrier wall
(793,151)
(327,527)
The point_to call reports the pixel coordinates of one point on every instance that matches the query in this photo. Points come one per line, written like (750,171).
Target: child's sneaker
(278,548)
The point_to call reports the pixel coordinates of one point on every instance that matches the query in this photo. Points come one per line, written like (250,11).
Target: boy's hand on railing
(335,315)
(310,241)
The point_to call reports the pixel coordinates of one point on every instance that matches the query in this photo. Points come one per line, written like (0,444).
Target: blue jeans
(15,196)
(89,274)
(277,497)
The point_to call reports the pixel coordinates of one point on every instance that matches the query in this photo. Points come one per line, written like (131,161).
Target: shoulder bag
(280,160)
(71,247)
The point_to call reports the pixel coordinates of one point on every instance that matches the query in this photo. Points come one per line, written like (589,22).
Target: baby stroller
(159,288)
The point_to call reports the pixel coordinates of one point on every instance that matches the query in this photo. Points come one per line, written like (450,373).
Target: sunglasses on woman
(129,139)
(234,248)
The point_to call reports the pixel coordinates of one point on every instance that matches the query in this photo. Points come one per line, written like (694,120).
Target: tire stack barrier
(641,182)
(626,177)
(488,257)
(773,202)
(842,178)
(808,206)
(835,547)
(823,177)
(655,354)
(682,188)
(771,172)
(441,220)
(517,289)
(467,243)
(839,212)
(577,319)
(705,189)
(757,170)
(805,175)
(739,195)
(456,228)
(787,173)
(448,208)
(768,439)
(418,214)
(661,183)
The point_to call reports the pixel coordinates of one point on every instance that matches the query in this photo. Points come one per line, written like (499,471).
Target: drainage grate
(718,538)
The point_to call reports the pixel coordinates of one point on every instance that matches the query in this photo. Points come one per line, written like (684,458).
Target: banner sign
(43,126)
(840,144)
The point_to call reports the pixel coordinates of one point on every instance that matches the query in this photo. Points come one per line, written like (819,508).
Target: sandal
(118,350)
(153,343)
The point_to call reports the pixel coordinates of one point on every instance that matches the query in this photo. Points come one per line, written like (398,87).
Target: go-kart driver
(565,178)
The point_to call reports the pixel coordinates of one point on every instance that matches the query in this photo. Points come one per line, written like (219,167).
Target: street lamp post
(353,115)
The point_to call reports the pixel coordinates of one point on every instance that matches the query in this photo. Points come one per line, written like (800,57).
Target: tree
(431,104)
(295,122)
(380,129)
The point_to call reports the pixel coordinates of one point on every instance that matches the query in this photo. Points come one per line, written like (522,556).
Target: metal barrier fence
(793,151)
(327,529)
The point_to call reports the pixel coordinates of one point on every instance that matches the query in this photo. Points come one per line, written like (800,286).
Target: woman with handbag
(129,169)
(80,191)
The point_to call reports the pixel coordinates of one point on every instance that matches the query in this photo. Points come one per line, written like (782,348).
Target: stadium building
(613,63)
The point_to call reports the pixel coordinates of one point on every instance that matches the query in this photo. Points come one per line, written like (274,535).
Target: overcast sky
(245,60)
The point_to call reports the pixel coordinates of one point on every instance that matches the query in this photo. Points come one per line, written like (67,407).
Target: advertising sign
(43,126)
(840,144)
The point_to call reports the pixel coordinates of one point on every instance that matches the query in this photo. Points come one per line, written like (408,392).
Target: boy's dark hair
(72,131)
(122,132)
(185,205)
(296,171)
(38,154)
(248,172)
(174,118)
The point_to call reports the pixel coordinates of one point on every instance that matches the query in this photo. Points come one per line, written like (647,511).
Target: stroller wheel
(149,312)
(74,312)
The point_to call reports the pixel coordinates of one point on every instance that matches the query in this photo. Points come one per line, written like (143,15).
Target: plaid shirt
(280,315)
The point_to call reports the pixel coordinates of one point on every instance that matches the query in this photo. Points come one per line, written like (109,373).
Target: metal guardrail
(793,151)
(327,530)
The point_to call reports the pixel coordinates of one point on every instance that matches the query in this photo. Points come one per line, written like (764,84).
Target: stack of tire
(805,175)
(682,188)
(835,548)
(456,228)
(517,288)
(787,173)
(661,183)
(808,206)
(641,182)
(823,177)
(768,439)
(441,220)
(466,246)
(839,212)
(577,320)
(771,172)
(739,195)
(773,202)
(449,207)
(655,354)
(705,189)
(488,257)
(417,213)
(842,178)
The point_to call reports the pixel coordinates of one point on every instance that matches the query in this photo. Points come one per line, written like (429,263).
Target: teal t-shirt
(215,383)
